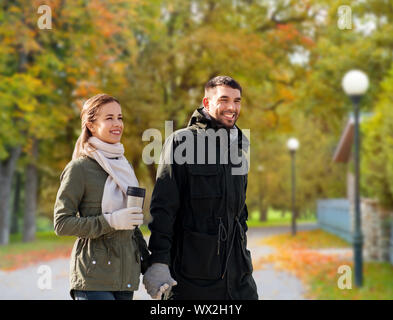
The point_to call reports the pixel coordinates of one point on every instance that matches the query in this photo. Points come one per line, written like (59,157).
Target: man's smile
(229,115)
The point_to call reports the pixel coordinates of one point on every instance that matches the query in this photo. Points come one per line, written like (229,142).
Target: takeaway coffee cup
(136,197)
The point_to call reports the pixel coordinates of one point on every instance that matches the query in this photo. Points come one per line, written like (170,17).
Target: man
(198,241)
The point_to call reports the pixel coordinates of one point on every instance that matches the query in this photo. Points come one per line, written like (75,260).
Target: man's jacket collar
(199,120)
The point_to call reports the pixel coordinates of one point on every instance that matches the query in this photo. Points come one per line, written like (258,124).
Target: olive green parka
(102,258)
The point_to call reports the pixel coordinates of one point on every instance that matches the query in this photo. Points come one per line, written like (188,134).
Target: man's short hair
(223,81)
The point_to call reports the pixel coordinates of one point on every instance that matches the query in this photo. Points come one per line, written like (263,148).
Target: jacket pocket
(204,181)
(104,266)
(199,257)
(205,198)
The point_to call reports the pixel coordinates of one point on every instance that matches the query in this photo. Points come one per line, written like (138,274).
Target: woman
(92,204)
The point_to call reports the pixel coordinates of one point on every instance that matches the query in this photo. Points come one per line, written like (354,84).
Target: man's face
(223,104)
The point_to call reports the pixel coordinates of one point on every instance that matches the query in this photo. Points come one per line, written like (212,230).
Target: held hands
(157,280)
(125,219)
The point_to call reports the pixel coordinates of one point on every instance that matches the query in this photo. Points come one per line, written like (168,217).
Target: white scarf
(120,173)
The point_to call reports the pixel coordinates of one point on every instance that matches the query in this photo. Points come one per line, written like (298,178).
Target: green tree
(377,151)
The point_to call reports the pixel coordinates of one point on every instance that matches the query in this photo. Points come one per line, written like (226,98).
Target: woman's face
(108,125)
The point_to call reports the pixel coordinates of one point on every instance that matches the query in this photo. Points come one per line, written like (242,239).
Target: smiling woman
(91,204)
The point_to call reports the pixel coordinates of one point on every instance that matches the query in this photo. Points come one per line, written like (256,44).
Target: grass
(377,284)
(275,218)
(46,246)
(319,272)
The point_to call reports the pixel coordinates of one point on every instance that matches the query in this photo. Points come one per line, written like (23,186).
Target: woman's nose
(117,123)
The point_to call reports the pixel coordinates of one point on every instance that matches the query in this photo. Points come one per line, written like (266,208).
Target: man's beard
(219,117)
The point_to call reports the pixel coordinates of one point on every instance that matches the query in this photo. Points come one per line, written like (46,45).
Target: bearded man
(198,237)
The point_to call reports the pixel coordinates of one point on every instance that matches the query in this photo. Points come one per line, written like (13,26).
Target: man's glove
(125,219)
(157,280)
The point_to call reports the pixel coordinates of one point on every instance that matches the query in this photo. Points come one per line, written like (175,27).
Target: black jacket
(199,213)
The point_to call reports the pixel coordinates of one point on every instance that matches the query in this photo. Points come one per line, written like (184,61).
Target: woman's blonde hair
(89,113)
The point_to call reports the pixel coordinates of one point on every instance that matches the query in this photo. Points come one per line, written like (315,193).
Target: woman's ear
(90,126)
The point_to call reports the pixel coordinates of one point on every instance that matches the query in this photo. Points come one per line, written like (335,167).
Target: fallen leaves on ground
(299,256)
(15,261)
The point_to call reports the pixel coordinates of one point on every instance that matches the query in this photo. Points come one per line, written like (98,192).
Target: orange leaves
(302,255)
(12,262)
(288,32)
(302,262)
(285,35)
(105,20)
(286,93)
(307,240)
(84,89)
(307,41)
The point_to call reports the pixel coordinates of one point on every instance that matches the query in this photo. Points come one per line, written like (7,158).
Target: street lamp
(355,84)
(293,145)
(260,169)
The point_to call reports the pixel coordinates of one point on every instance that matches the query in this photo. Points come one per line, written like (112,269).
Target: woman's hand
(125,219)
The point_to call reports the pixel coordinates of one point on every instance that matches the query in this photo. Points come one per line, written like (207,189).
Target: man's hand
(157,280)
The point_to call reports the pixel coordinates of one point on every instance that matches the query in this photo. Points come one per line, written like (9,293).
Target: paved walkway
(273,284)
(23,284)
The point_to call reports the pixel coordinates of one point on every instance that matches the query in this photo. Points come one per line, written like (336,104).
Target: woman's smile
(116,132)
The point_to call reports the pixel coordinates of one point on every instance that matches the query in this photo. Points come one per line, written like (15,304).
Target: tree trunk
(7,168)
(152,173)
(31,192)
(263,213)
(16,206)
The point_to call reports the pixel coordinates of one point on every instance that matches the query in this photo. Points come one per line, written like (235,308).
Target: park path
(22,284)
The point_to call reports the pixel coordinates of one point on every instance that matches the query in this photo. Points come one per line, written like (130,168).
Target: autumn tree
(45,75)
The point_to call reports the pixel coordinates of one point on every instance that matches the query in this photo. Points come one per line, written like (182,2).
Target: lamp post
(293,145)
(260,169)
(355,84)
